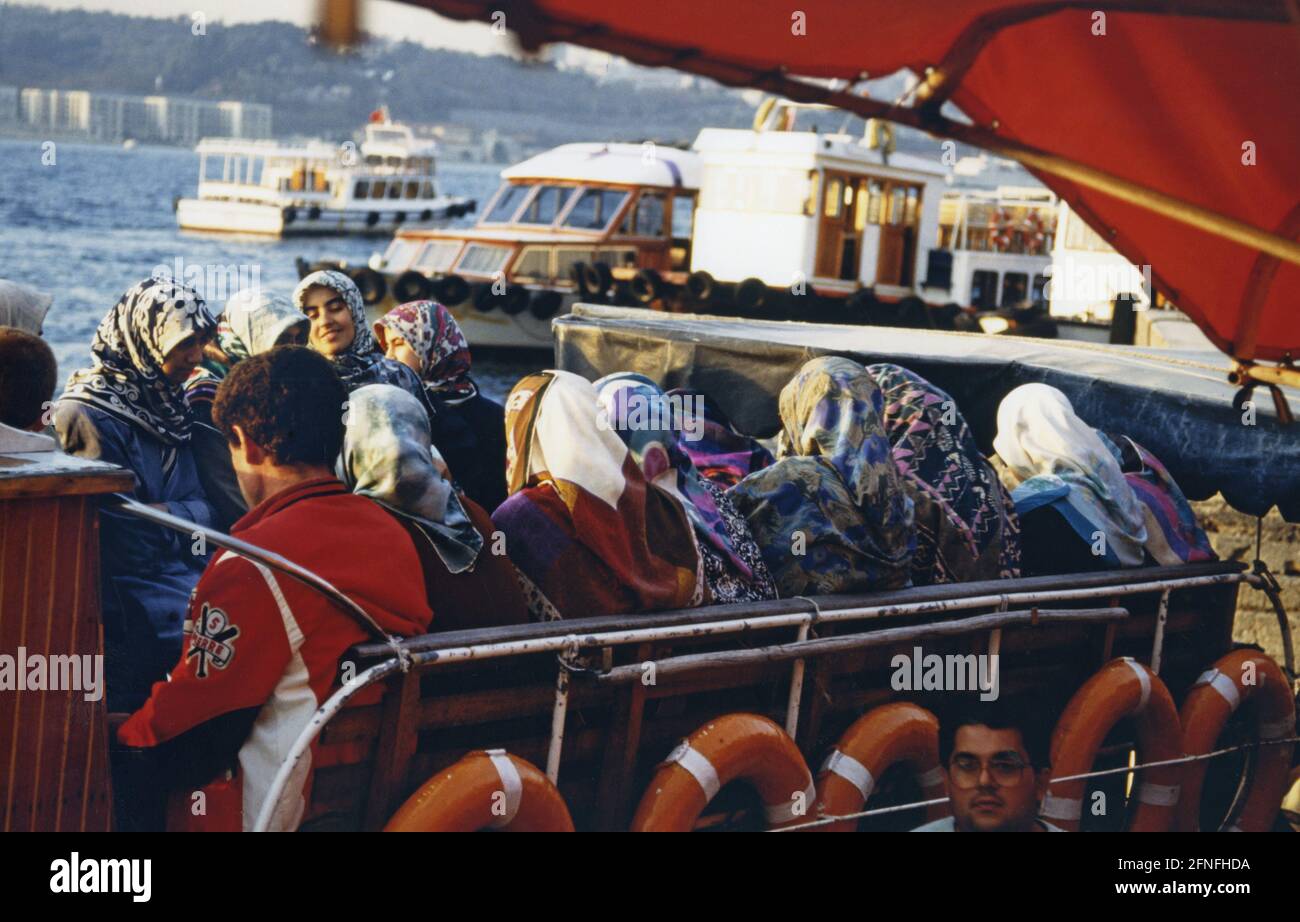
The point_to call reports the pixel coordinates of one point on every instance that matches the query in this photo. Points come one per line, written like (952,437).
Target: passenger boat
(281,190)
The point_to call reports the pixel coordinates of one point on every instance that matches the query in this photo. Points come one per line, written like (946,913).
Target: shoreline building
(116,117)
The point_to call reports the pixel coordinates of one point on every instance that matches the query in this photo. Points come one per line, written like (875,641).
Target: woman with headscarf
(469,429)
(966,525)
(340,332)
(1079,511)
(641,414)
(831,514)
(129,408)
(387,456)
(587,531)
(252,322)
(23,308)
(721,454)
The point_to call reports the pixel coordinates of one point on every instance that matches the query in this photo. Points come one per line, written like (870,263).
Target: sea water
(85,222)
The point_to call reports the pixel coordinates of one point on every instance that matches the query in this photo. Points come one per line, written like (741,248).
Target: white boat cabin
(828,210)
(994,247)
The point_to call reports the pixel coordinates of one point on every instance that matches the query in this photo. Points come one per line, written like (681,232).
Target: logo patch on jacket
(213,641)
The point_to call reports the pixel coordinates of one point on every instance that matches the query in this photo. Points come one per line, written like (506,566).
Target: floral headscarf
(388,456)
(126,377)
(431,330)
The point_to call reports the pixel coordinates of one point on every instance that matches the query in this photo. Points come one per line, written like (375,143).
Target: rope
(878,811)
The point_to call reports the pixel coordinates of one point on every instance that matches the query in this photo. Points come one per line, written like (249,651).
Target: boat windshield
(546,205)
(595,208)
(508,201)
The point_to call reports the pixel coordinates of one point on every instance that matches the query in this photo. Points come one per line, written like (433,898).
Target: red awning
(1196,99)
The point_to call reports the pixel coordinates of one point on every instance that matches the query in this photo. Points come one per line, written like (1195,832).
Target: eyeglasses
(965,771)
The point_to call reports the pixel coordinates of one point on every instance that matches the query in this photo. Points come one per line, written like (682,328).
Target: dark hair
(28,374)
(996,715)
(289,401)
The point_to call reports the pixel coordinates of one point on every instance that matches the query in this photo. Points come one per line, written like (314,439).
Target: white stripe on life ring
(511,783)
(784,812)
(1158,795)
(851,770)
(698,764)
(1226,688)
(1061,808)
(1144,678)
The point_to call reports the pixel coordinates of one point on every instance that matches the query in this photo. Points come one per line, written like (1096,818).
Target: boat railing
(1034,601)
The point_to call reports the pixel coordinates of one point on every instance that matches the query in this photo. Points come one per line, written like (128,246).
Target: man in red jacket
(262,650)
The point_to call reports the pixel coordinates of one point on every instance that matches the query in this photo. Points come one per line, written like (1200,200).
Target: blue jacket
(146,572)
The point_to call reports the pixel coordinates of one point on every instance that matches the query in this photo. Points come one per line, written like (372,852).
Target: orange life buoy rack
(1122,688)
(884,736)
(485,790)
(730,748)
(1213,699)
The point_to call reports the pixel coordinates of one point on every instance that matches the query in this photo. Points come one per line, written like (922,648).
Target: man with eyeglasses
(997,770)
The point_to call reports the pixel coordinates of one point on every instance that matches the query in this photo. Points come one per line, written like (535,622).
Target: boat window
(983,289)
(395,189)
(438,255)
(648,219)
(566,257)
(876,198)
(413,189)
(1038,294)
(897,202)
(399,255)
(1015,288)
(622,256)
(534,263)
(912,205)
(683,213)
(810,203)
(545,205)
(378,188)
(860,206)
(484,260)
(427,190)
(595,208)
(834,196)
(361,189)
(1079,236)
(507,204)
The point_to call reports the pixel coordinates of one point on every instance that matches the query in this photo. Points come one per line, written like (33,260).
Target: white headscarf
(253,320)
(1039,435)
(23,307)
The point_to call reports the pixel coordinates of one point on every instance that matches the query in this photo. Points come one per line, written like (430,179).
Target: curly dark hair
(289,400)
(28,373)
(1031,718)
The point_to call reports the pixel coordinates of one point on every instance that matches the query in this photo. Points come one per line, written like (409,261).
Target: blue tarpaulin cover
(1178,404)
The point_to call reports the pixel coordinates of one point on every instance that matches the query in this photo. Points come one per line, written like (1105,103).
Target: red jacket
(258,639)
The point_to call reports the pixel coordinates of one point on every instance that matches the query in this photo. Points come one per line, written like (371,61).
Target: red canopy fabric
(1177,95)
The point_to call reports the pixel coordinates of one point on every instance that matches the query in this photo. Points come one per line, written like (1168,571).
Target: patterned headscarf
(832,514)
(388,456)
(722,454)
(252,322)
(360,363)
(23,308)
(659,453)
(553,439)
(126,377)
(1039,436)
(430,329)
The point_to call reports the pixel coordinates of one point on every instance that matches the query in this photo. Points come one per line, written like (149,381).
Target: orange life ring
(737,746)
(1215,696)
(485,790)
(1122,688)
(884,736)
